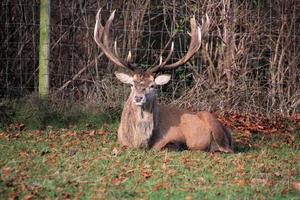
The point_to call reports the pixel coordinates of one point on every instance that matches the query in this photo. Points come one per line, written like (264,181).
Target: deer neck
(145,113)
(142,123)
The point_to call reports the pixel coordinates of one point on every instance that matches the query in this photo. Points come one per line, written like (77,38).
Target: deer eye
(152,86)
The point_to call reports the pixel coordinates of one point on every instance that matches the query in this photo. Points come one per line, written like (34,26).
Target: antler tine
(116,49)
(106,29)
(129,58)
(163,63)
(193,48)
(100,33)
(98,30)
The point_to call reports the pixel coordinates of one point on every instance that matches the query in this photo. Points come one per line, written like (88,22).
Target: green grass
(37,113)
(67,159)
(56,165)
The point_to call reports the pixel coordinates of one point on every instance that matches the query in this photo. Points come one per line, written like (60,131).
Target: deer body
(196,131)
(158,126)
(144,123)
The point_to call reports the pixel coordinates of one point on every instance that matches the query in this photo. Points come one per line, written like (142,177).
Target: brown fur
(155,126)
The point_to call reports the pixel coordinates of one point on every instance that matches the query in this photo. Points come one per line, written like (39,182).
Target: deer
(145,123)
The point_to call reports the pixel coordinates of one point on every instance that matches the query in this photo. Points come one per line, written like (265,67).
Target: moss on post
(44,48)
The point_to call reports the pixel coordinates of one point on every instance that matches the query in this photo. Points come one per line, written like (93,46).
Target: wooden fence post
(44,48)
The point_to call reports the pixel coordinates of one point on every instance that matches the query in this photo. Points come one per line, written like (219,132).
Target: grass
(39,114)
(78,162)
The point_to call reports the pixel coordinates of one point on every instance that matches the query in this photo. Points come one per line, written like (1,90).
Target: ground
(67,151)
(84,163)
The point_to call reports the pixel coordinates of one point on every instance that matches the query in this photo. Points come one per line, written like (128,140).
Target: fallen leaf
(171,172)
(3,136)
(156,187)
(92,133)
(296,185)
(37,132)
(275,145)
(71,133)
(20,126)
(188,198)
(294,117)
(241,182)
(102,190)
(284,191)
(66,195)
(51,161)
(12,195)
(28,197)
(100,132)
(146,174)
(23,153)
(116,181)
(5,172)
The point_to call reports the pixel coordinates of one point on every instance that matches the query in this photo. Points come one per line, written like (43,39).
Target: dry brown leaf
(102,190)
(141,190)
(116,181)
(92,133)
(156,187)
(188,198)
(71,133)
(4,136)
(146,174)
(5,172)
(51,160)
(66,195)
(275,145)
(171,172)
(20,126)
(12,195)
(100,132)
(284,191)
(296,185)
(241,182)
(37,132)
(23,153)
(28,197)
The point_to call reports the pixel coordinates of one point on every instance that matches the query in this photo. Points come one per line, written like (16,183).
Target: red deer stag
(144,123)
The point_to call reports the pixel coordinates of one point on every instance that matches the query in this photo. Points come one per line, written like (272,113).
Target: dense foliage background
(249,60)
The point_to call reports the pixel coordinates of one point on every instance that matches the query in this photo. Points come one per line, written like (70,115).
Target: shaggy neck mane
(141,121)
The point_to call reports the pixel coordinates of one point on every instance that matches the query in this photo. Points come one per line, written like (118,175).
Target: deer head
(143,83)
(143,86)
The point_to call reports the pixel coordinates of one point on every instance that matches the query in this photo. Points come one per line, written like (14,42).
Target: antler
(193,48)
(101,37)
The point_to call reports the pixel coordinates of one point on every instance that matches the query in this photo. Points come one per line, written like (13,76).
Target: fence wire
(249,59)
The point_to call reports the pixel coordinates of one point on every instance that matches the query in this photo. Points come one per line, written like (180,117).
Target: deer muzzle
(140,100)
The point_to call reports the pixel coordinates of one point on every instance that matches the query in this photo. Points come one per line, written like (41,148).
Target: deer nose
(138,99)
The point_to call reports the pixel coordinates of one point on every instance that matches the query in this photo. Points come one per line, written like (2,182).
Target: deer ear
(124,78)
(162,79)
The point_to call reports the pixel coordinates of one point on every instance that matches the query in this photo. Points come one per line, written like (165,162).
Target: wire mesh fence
(248,61)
